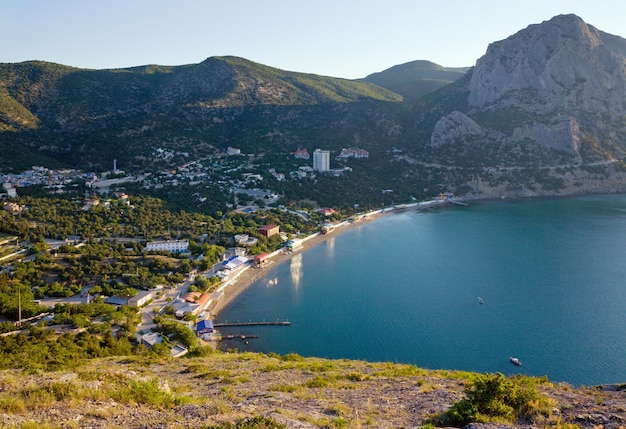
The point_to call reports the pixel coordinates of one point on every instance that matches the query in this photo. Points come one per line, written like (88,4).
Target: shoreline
(250,275)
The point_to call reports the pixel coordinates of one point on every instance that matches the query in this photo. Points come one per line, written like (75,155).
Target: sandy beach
(251,275)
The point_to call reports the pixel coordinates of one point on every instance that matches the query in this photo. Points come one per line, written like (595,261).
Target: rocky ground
(293,391)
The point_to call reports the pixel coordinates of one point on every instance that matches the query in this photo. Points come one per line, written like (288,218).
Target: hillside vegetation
(416,78)
(228,390)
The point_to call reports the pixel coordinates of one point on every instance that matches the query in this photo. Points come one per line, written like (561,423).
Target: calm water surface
(552,276)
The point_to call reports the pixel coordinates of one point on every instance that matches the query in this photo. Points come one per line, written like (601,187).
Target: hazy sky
(341,38)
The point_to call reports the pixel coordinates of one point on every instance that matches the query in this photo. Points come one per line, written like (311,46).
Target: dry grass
(225,387)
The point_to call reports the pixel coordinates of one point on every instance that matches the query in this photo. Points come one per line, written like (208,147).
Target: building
(269,230)
(175,246)
(321,160)
(327,211)
(261,259)
(353,153)
(294,244)
(233,151)
(302,154)
(327,228)
(235,263)
(13,208)
(140,299)
(245,240)
(204,326)
(9,190)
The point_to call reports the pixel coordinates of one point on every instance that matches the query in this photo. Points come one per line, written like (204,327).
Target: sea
(457,288)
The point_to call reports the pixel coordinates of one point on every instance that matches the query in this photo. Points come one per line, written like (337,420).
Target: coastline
(250,275)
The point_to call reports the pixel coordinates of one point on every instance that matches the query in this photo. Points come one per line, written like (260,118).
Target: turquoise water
(405,288)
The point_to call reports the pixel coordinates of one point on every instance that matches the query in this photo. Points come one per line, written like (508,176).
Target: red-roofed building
(327,211)
(269,230)
(261,259)
(302,154)
(203,300)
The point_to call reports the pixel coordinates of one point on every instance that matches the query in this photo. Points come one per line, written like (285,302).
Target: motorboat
(515,361)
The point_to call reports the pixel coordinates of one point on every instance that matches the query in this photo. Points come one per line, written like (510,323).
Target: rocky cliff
(560,85)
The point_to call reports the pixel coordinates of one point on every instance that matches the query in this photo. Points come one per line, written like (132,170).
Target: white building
(175,246)
(321,160)
(9,189)
(140,299)
(353,153)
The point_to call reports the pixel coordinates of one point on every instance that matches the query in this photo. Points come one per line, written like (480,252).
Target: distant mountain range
(416,78)
(542,112)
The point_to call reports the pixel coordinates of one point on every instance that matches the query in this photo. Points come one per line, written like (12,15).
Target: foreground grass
(249,390)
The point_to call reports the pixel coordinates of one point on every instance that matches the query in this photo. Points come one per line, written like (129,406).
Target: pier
(460,203)
(227,324)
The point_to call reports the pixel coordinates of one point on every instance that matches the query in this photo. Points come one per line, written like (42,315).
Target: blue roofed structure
(204,326)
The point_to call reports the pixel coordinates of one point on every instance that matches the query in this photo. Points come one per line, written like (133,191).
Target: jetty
(234,324)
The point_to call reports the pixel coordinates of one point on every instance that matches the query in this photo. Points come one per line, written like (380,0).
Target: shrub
(495,397)
(148,393)
(258,422)
(317,382)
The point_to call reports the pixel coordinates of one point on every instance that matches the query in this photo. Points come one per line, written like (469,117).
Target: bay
(405,288)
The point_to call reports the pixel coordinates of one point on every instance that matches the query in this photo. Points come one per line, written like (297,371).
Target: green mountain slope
(88,117)
(416,78)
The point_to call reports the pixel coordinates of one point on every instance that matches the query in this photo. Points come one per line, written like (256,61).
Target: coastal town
(192,296)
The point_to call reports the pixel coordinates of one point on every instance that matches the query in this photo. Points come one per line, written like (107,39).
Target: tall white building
(321,160)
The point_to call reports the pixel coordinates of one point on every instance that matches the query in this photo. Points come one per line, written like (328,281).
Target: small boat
(515,361)
(480,300)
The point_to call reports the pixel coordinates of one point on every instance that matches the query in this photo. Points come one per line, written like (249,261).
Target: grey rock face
(452,128)
(562,133)
(557,65)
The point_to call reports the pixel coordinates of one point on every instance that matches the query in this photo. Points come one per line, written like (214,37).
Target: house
(279,176)
(302,153)
(186,308)
(269,230)
(327,211)
(192,303)
(13,208)
(233,151)
(150,339)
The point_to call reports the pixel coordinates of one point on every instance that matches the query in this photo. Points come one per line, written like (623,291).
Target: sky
(340,38)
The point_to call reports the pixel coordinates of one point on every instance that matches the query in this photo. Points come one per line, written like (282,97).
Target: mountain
(558,85)
(543,112)
(416,78)
(540,112)
(89,117)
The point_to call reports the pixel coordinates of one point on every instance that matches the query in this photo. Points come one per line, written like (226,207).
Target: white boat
(480,300)
(515,361)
